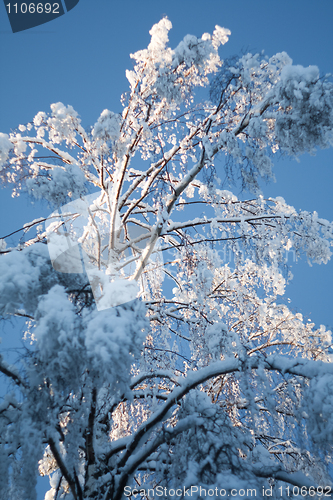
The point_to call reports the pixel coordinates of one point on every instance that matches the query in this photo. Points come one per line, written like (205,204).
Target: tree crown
(153,357)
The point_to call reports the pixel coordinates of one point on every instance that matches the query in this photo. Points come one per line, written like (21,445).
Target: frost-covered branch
(11,372)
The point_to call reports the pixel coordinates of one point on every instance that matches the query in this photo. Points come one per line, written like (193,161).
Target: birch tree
(158,352)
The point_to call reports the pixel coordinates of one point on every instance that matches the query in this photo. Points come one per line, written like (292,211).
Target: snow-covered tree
(157,354)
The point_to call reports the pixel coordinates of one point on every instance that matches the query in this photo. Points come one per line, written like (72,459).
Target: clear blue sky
(81,58)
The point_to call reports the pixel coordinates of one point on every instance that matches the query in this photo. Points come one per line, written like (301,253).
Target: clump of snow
(62,123)
(60,183)
(117,292)
(112,338)
(56,333)
(220,36)
(219,340)
(159,37)
(21,279)
(5,147)
(308,103)
(299,75)
(318,407)
(107,126)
